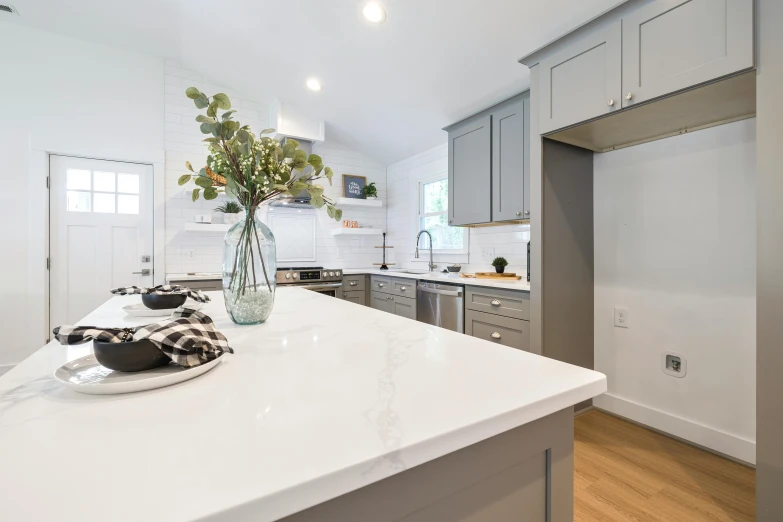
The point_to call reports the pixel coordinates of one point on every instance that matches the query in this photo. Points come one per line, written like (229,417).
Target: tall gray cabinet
(488,165)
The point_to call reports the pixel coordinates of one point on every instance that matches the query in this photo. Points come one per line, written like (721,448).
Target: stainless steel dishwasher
(441,304)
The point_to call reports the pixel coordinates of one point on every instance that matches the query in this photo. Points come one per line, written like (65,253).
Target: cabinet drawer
(354,283)
(381,301)
(404,287)
(508,303)
(405,307)
(514,333)
(358,297)
(381,284)
(205,285)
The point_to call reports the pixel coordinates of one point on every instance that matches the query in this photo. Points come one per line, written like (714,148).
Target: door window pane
(103,182)
(77,180)
(78,201)
(443,236)
(436,196)
(127,204)
(103,203)
(128,183)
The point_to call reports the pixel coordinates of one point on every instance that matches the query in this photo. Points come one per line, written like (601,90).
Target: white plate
(139,310)
(85,375)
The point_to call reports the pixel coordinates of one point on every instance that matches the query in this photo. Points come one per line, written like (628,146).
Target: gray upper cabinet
(583,81)
(489,174)
(510,172)
(470,173)
(672,45)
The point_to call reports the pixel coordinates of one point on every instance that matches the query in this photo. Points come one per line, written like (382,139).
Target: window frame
(418,189)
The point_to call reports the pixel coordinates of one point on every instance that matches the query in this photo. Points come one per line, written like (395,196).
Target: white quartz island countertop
(322,399)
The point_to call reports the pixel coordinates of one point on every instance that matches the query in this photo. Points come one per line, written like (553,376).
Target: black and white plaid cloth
(189,337)
(163,289)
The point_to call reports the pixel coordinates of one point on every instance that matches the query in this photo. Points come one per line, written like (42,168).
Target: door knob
(610,103)
(144,272)
(495,302)
(629,96)
(495,335)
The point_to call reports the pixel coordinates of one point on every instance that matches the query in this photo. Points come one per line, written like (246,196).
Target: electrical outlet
(622,318)
(488,252)
(189,253)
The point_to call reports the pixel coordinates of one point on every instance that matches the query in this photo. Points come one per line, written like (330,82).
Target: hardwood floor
(623,472)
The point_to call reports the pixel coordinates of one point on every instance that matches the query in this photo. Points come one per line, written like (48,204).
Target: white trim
(735,446)
(416,183)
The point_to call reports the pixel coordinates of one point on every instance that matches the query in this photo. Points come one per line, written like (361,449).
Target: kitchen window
(433,210)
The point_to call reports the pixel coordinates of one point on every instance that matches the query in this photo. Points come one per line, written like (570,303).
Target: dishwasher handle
(451,293)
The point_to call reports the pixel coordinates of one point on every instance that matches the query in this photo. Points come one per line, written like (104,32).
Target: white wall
(486,243)
(67,96)
(675,244)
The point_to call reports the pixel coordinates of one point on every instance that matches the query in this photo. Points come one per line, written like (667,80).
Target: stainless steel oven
(313,278)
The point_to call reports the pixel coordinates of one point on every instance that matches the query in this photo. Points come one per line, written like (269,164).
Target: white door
(101,233)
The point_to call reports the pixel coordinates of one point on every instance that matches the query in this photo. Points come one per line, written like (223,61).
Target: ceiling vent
(8,9)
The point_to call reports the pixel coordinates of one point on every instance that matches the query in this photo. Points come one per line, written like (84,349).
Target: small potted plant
(370,191)
(232,212)
(500,264)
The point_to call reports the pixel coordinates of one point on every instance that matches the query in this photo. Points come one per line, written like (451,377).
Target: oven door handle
(325,286)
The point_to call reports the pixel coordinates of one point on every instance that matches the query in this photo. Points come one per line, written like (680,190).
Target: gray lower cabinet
(355,289)
(582,81)
(394,295)
(358,297)
(489,175)
(672,45)
(381,301)
(204,285)
(470,171)
(405,307)
(514,333)
(508,303)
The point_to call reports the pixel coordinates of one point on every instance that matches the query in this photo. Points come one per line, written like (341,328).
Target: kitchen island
(327,412)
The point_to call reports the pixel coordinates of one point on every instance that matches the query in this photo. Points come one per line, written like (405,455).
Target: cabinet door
(358,297)
(509,138)
(670,45)
(470,172)
(514,333)
(381,301)
(405,307)
(583,81)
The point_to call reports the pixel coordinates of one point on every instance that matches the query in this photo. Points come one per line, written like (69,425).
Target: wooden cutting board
(491,275)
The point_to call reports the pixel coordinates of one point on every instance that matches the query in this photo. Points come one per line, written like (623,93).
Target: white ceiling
(387,89)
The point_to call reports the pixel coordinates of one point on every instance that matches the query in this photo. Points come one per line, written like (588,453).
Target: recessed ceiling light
(374,12)
(313,84)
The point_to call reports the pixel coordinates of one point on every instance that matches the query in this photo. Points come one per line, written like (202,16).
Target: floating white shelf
(357,232)
(207,227)
(359,203)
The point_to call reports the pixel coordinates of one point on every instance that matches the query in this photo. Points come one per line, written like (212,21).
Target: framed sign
(353,186)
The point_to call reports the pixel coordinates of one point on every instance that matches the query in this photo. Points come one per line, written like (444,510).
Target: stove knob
(330,274)
(296,276)
(337,274)
(288,276)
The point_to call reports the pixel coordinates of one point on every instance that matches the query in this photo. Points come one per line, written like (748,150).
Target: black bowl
(163,301)
(135,356)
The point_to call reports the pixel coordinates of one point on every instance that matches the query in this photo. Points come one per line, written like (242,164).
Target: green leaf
(267,131)
(206,128)
(210,193)
(338,214)
(317,201)
(203,172)
(212,109)
(330,211)
(300,160)
(284,188)
(227,115)
(289,148)
(210,140)
(183,179)
(243,136)
(222,101)
(244,148)
(216,129)
(203,182)
(328,173)
(297,187)
(204,119)
(317,170)
(202,101)
(189,166)
(194,196)
(315,160)
(192,93)
(315,190)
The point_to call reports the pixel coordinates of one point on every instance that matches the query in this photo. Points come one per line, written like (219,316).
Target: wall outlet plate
(488,253)
(622,317)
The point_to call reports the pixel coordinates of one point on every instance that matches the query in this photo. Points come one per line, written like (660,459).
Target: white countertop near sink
(521,284)
(322,399)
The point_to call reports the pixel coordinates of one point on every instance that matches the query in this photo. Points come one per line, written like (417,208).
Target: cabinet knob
(354,283)
(380,285)
(495,335)
(403,288)
(610,103)
(345,295)
(389,298)
(629,96)
(527,212)
(495,302)
(519,213)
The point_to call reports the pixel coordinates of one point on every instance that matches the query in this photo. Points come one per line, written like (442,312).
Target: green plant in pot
(232,212)
(500,264)
(253,170)
(370,191)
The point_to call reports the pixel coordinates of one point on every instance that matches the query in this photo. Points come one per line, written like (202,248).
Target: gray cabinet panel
(470,175)
(404,287)
(583,81)
(205,285)
(381,301)
(358,297)
(508,303)
(354,283)
(508,160)
(497,329)
(381,284)
(405,307)
(670,45)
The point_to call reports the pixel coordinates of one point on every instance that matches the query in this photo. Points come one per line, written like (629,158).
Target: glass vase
(249,269)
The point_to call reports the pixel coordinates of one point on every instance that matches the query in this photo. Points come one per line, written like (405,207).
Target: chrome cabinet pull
(354,283)
(629,96)
(495,302)
(610,103)
(495,335)
(403,288)
(380,285)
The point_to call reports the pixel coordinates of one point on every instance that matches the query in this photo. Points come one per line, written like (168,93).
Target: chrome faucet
(432,266)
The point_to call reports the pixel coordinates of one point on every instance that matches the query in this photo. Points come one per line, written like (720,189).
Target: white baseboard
(6,368)
(736,447)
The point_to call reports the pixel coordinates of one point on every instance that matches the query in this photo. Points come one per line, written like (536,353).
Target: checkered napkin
(189,337)
(163,289)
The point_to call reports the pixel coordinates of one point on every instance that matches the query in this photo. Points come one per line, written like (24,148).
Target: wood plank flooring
(623,472)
